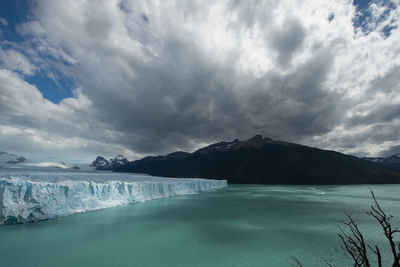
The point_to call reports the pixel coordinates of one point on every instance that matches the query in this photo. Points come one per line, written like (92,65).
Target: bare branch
(378,255)
(353,242)
(384,221)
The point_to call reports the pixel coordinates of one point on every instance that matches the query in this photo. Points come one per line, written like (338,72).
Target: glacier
(27,196)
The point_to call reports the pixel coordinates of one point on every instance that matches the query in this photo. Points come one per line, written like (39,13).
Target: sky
(99,77)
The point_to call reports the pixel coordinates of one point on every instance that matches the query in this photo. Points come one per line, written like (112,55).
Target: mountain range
(392,162)
(261,160)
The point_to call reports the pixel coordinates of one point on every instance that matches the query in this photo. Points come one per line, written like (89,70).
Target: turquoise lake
(249,225)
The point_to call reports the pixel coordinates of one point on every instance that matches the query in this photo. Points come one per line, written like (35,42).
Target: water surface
(236,226)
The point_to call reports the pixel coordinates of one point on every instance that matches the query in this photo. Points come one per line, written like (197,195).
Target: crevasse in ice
(26,197)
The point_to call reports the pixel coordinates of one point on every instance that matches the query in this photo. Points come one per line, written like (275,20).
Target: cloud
(14,60)
(154,77)
(31,123)
(3,22)
(392,151)
(287,39)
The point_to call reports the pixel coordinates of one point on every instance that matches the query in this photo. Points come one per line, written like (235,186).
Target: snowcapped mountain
(119,160)
(101,163)
(10,158)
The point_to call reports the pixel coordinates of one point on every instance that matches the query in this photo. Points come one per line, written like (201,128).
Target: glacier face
(32,196)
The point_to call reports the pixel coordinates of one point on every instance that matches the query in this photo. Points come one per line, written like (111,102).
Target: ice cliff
(26,197)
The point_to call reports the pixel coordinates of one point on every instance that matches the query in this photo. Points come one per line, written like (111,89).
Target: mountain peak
(102,164)
(256,141)
(119,157)
(99,162)
(260,137)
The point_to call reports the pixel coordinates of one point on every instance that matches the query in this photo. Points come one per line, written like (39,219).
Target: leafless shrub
(354,245)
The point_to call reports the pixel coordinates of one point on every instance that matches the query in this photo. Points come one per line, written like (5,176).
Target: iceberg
(32,195)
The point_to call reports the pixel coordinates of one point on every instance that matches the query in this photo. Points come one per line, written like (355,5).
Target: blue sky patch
(366,21)
(14,12)
(54,89)
(51,83)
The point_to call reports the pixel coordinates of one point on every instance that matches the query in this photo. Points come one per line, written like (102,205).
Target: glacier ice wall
(24,200)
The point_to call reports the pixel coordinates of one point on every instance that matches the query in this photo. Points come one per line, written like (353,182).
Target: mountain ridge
(392,161)
(261,160)
(11,158)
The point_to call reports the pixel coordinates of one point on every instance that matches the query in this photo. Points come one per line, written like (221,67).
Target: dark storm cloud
(185,97)
(181,97)
(287,39)
(383,113)
(152,77)
(276,103)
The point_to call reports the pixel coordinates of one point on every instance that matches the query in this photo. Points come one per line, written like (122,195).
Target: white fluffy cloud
(14,60)
(154,77)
